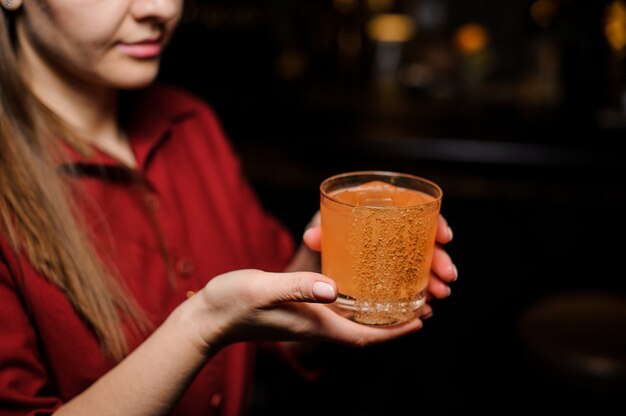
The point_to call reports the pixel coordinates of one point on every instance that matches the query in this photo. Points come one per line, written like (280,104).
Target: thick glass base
(368,312)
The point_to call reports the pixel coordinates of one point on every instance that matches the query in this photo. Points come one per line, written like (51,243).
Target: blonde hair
(38,215)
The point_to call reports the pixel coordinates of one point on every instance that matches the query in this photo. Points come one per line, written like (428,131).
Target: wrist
(192,323)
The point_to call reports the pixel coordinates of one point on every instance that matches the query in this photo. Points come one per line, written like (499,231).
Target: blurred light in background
(543,12)
(471,38)
(391,27)
(615,27)
(436,67)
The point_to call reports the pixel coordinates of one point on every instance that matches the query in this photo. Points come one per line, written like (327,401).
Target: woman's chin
(136,78)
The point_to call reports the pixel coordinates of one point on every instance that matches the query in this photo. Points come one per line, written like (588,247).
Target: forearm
(151,379)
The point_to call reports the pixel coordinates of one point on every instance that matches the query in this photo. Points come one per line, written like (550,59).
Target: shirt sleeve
(24,383)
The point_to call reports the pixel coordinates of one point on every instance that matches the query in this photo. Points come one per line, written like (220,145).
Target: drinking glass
(378,236)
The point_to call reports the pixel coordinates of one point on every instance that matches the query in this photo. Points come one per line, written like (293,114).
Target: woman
(116,206)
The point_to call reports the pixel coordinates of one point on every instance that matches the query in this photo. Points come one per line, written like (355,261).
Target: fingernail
(455,272)
(305,233)
(324,292)
(450,234)
(449,290)
(428,315)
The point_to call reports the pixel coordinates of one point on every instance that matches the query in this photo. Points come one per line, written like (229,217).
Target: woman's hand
(252,305)
(442,273)
(442,270)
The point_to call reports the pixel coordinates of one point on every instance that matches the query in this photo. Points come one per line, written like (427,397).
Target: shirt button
(185,267)
(152,202)
(216,400)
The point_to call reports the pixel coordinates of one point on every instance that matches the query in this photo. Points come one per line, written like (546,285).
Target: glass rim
(382,173)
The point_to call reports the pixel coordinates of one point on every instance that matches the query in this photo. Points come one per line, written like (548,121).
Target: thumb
(302,287)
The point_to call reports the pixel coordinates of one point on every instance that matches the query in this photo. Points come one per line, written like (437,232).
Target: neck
(90,109)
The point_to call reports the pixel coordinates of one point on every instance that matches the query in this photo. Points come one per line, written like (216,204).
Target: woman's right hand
(252,305)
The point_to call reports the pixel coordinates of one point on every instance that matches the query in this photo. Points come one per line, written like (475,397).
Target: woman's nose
(161,10)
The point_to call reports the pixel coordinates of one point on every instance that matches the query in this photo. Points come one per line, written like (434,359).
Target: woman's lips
(146,49)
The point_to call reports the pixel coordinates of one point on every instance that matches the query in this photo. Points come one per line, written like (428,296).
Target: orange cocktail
(378,235)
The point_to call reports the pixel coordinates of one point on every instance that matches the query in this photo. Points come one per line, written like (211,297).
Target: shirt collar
(147,116)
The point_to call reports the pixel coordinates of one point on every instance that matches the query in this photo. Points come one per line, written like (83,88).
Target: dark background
(520,121)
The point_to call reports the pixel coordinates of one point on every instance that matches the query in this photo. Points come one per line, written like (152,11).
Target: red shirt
(184,215)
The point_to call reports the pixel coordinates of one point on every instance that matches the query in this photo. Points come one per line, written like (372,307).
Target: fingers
(313,238)
(443,266)
(443,270)
(344,331)
(444,232)
(427,311)
(437,287)
(313,234)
